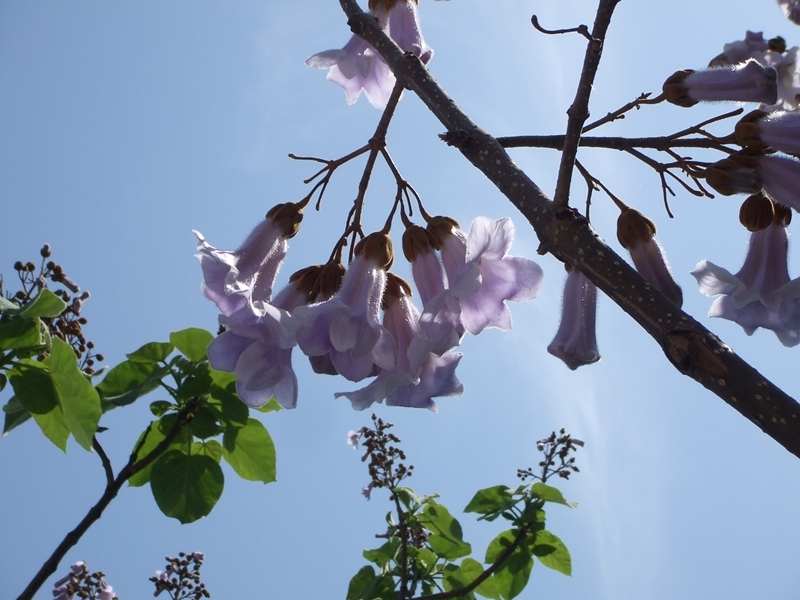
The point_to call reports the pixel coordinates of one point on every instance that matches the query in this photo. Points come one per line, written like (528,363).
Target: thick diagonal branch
(689,346)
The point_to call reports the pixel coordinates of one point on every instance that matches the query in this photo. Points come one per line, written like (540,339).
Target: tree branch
(690,347)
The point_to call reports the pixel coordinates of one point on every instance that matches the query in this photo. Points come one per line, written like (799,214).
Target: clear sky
(125,126)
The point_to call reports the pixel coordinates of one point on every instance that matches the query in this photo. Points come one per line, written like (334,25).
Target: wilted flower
(358,66)
(637,233)
(575,342)
(760,294)
(747,82)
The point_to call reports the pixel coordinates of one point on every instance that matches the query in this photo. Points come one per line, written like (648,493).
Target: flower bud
(417,239)
(376,246)
(440,228)
(287,217)
(735,175)
(757,212)
(747,130)
(633,227)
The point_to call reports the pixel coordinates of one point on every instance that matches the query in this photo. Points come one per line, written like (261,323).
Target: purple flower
(347,326)
(786,65)
(791,8)
(575,342)
(418,374)
(358,67)
(760,294)
(781,177)
(747,82)
(367,490)
(258,350)
(232,278)
(752,46)
(353,437)
(106,592)
(636,233)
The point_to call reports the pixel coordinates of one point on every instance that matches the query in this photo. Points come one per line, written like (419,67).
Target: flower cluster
(79,582)
(360,321)
(358,67)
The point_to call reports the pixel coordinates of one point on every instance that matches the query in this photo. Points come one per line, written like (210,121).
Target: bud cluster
(79,583)
(181,577)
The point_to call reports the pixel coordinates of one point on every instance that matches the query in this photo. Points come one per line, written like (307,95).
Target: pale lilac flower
(198,555)
(747,82)
(353,437)
(367,490)
(418,375)
(347,326)
(752,46)
(106,591)
(358,67)
(781,177)
(258,350)
(786,66)
(636,233)
(781,130)
(575,342)
(791,9)
(760,294)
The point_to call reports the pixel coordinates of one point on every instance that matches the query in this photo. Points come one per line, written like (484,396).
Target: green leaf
(385,554)
(552,552)
(426,558)
(186,486)
(16,414)
(192,342)
(271,406)
(129,380)
(491,500)
(204,424)
(158,431)
(211,448)
(360,582)
(160,407)
(250,452)
(6,304)
(151,352)
(33,388)
(46,304)
(446,539)
(19,332)
(79,400)
(228,406)
(3,381)
(454,578)
(54,427)
(512,577)
(549,494)
(197,384)
(473,569)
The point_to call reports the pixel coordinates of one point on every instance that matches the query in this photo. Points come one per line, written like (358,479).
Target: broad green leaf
(204,424)
(512,577)
(385,554)
(454,578)
(186,486)
(549,494)
(473,569)
(151,352)
(158,431)
(79,400)
(54,427)
(46,304)
(34,390)
(129,380)
(250,452)
(446,539)
(160,407)
(192,342)
(360,582)
(228,406)
(197,384)
(19,332)
(6,304)
(552,552)
(366,586)
(426,559)
(271,406)
(410,499)
(16,414)
(3,381)
(210,448)
(491,500)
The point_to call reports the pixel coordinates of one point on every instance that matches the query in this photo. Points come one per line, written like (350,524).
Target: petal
(489,238)
(224,350)
(713,280)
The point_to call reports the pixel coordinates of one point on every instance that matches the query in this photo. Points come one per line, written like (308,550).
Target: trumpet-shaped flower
(781,177)
(575,342)
(760,294)
(358,67)
(747,82)
(347,326)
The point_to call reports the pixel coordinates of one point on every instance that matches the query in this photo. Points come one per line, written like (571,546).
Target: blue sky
(124,127)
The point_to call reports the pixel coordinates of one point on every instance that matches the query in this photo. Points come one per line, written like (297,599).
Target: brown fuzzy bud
(757,212)
(18,266)
(378,247)
(777,44)
(288,217)
(440,228)
(417,239)
(747,130)
(735,175)
(675,91)
(634,227)
(396,288)
(45,251)
(329,280)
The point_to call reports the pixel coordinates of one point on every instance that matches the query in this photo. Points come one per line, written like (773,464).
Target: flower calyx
(416,240)
(378,247)
(287,217)
(747,130)
(441,227)
(735,175)
(328,280)
(757,212)
(396,288)
(633,227)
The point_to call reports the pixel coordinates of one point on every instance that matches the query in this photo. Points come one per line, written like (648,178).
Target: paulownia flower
(358,67)
(575,342)
(746,82)
(760,294)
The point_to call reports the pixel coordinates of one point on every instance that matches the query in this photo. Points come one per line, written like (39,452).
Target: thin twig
(662,143)
(620,112)
(578,112)
(104,459)
(582,29)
